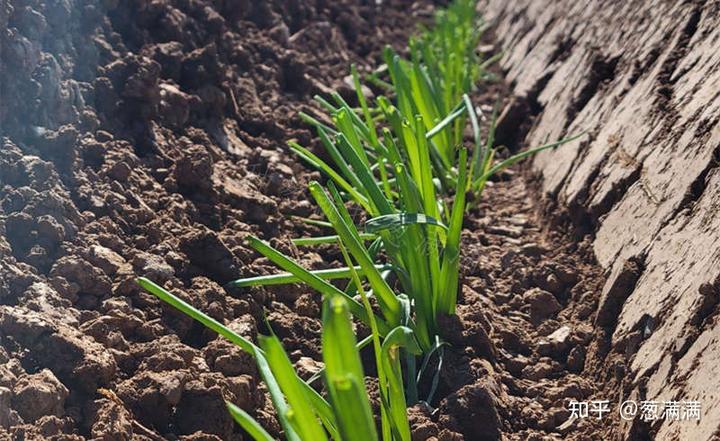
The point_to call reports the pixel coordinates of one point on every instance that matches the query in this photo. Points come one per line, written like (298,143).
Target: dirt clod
(541,304)
(38,395)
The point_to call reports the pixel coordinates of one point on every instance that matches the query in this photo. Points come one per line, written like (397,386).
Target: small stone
(367,93)
(307,367)
(556,343)
(541,304)
(561,336)
(120,171)
(5,248)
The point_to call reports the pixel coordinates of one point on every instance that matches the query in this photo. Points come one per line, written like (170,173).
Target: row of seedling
(402,162)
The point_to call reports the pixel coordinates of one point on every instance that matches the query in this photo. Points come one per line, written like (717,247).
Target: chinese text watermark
(645,410)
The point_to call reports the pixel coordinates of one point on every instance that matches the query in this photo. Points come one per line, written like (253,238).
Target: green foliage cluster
(402,161)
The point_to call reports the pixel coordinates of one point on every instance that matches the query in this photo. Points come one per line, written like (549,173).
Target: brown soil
(641,79)
(148,139)
(524,343)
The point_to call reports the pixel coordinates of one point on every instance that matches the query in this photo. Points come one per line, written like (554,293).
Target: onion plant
(402,160)
(387,172)
(443,66)
(344,413)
